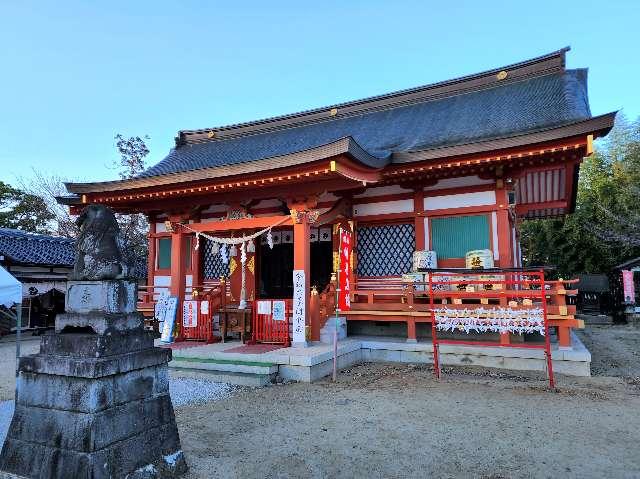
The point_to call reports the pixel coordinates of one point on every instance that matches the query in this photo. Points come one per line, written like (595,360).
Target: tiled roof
(501,110)
(34,249)
(29,248)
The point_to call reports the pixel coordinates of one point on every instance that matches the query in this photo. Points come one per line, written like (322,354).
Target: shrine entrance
(275,266)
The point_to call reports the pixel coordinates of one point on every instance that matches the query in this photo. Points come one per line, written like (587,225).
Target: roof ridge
(529,68)
(29,235)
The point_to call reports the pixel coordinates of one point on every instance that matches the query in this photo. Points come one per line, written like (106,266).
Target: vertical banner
(299,306)
(344,299)
(628,286)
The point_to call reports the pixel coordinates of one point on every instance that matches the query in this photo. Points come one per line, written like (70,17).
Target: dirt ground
(615,350)
(29,345)
(397,421)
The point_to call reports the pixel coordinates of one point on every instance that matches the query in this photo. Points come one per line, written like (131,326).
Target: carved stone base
(92,406)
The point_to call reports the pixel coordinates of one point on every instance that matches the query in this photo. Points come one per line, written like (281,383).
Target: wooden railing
(215,293)
(391,299)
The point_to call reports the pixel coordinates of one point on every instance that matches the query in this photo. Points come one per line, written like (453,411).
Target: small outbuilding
(41,264)
(624,282)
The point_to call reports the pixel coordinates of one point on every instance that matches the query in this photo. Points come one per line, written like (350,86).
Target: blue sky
(76,73)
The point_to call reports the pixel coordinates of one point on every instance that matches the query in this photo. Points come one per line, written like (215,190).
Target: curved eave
(598,126)
(339,147)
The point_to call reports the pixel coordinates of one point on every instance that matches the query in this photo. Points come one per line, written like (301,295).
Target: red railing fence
(488,301)
(273,327)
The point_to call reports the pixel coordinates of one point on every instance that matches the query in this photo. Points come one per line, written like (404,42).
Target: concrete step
(241,373)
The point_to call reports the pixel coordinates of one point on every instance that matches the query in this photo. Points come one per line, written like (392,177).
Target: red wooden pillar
(418,209)
(178,275)
(151,259)
(504,242)
(302,258)
(196,260)
(504,229)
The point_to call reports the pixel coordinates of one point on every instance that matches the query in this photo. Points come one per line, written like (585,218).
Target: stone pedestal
(94,402)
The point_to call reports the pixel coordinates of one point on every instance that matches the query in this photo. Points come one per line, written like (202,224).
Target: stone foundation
(94,404)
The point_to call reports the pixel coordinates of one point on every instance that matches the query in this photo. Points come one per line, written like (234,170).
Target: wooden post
(314,314)
(411,322)
(178,275)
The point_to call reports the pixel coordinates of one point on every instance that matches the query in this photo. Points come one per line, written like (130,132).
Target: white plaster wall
(494,232)
(480,198)
(459,182)
(382,190)
(161,228)
(327,197)
(160,283)
(219,208)
(383,208)
(270,203)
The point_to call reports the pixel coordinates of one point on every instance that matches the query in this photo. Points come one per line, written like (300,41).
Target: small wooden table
(235,320)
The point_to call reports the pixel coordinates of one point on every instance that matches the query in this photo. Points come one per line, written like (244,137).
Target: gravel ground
(186,391)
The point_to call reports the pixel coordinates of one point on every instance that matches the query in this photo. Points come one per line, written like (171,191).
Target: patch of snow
(171,459)
(6,413)
(197,391)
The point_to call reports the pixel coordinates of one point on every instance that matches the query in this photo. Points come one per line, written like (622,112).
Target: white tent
(10,289)
(10,294)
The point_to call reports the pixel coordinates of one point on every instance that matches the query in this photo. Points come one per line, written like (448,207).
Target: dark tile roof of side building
(24,248)
(411,120)
(34,249)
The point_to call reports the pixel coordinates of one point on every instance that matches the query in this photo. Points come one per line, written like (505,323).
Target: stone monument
(94,402)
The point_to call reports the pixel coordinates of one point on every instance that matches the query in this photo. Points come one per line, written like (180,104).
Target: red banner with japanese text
(344,271)
(628,286)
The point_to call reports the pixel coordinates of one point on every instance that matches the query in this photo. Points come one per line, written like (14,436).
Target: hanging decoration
(246,245)
(243,253)
(241,239)
(483,320)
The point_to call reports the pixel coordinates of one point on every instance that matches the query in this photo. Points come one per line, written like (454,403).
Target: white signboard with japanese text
(299,306)
(264,307)
(190,314)
(166,314)
(278,311)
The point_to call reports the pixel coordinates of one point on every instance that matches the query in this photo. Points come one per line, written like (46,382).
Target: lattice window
(385,250)
(212,265)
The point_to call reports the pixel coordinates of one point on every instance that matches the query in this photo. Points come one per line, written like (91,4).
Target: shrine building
(449,168)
